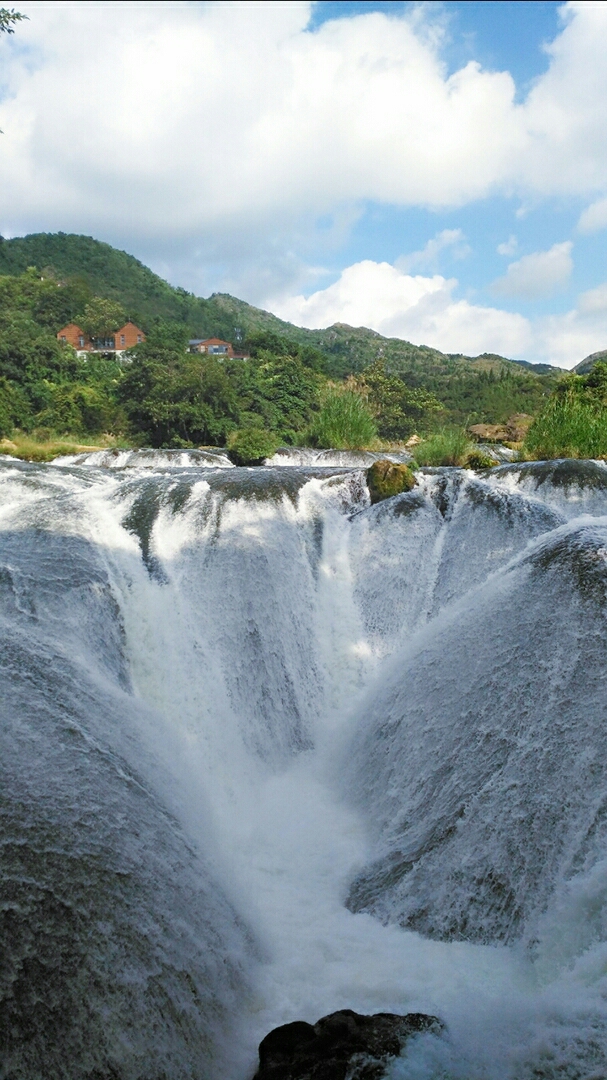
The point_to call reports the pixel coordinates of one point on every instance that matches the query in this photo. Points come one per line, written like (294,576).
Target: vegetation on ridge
(573,423)
(341,386)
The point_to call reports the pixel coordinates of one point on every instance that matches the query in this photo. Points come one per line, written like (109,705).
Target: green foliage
(58,303)
(43,381)
(280,390)
(476,459)
(77,408)
(473,396)
(166,397)
(573,422)
(251,445)
(167,334)
(8,18)
(261,343)
(170,394)
(447,446)
(398,408)
(344,421)
(101,318)
(173,398)
(14,407)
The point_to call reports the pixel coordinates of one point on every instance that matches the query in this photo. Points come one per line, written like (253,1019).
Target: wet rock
(342,1046)
(387,478)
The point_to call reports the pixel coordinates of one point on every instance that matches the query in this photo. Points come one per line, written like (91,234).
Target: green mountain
(588,362)
(485,388)
(118,276)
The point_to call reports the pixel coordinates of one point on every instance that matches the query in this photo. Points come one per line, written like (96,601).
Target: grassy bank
(573,423)
(47,446)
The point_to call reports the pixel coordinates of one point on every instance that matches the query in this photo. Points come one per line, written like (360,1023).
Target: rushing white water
(268,752)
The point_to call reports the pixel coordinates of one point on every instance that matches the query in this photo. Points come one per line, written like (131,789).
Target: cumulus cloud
(220,123)
(594,217)
(537,275)
(425,311)
(419,309)
(508,247)
(429,256)
(594,301)
(218,135)
(567,339)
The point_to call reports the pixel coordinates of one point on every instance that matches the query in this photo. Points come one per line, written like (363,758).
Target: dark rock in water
(388,478)
(342,1045)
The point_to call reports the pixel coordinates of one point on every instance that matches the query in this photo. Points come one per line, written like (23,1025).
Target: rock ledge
(342,1046)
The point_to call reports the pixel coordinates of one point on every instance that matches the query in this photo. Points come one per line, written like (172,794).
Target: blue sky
(436,171)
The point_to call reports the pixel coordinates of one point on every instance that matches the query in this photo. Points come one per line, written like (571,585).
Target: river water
(268,751)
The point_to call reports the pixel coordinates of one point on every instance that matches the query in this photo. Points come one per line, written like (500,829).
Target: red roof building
(213,346)
(125,338)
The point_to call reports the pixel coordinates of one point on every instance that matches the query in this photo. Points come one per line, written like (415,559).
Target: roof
(208,341)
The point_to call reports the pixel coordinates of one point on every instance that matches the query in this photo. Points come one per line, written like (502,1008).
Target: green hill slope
(483,388)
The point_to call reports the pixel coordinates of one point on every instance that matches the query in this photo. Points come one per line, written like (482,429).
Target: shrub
(344,422)
(573,423)
(447,446)
(250,446)
(477,460)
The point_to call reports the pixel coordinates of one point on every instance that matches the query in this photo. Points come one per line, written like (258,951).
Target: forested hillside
(164,395)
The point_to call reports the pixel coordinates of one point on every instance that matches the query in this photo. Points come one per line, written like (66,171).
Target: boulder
(343,1044)
(388,478)
(489,432)
(514,430)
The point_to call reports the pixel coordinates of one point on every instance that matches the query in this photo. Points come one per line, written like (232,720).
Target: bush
(251,446)
(344,422)
(573,423)
(477,460)
(448,446)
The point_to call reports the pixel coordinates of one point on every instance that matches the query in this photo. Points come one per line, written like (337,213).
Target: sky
(435,171)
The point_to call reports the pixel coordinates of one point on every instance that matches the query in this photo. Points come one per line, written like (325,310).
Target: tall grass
(569,426)
(447,446)
(344,422)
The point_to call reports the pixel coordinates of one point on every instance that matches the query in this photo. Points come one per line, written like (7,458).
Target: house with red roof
(122,339)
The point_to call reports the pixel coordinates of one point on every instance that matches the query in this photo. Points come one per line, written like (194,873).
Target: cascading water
(268,752)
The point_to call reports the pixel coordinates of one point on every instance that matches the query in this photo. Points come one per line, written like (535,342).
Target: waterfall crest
(269,751)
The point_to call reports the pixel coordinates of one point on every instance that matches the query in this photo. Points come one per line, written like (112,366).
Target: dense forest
(293,389)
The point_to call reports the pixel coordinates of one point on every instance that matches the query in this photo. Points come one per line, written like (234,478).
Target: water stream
(268,751)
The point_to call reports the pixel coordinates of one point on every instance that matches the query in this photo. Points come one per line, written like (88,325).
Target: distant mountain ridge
(588,362)
(116,275)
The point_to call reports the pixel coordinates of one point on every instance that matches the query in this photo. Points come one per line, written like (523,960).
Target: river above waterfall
(269,751)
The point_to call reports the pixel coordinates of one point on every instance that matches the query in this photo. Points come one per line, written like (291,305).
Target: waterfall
(268,751)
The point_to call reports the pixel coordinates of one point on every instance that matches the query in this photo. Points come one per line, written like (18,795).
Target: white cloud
(217,134)
(424,310)
(508,247)
(419,309)
(594,301)
(594,217)
(428,258)
(567,339)
(537,275)
(230,126)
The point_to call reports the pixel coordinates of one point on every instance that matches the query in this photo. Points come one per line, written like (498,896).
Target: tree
(174,398)
(396,406)
(8,18)
(102,317)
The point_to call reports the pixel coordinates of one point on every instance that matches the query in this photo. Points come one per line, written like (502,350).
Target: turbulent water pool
(268,752)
